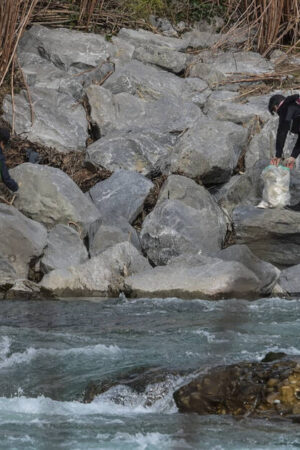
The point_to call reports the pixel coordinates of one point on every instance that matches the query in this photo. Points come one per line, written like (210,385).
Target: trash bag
(276,192)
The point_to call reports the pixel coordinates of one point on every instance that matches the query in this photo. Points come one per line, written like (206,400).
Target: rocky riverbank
(142,106)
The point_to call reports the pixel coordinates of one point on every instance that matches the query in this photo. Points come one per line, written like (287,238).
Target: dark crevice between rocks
(150,201)
(73,163)
(35,273)
(93,128)
(230,237)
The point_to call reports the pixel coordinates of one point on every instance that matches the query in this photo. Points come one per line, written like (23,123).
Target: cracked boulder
(64,248)
(113,230)
(209,151)
(50,196)
(126,112)
(79,52)
(143,152)
(221,67)
(209,279)
(22,240)
(123,194)
(185,220)
(59,121)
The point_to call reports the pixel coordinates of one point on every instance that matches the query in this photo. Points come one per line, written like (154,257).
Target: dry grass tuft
(269,23)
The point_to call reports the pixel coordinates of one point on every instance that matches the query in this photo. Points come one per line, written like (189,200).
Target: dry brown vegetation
(270,23)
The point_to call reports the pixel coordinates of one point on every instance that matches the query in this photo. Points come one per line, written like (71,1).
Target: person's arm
(6,178)
(282,131)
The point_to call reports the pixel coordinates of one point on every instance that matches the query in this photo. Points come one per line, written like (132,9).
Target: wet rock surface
(258,389)
(138,381)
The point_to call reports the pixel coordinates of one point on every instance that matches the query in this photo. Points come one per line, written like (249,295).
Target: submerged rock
(263,389)
(138,380)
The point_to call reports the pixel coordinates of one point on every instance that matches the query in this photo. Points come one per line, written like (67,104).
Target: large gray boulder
(140,37)
(40,73)
(201,39)
(150,83)
(123,194)
(239,190)
(101,276)
(124,51)
(186,219)
(220,67)
(215,279)
(113,230)
(226,105)
(163,57)
(209,151)
(289,280)
(7,274)
(71,51)
(22,239)
(271,234)
(266,273)
(147,81)
(143,151)
(64,248)
(59,121)
(124,112)
(50,196)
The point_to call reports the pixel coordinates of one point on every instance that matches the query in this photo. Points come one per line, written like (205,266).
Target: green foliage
(195,10)
(143,8)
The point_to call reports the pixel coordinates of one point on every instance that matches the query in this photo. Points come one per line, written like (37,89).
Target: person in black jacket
(4,175)
(288,110)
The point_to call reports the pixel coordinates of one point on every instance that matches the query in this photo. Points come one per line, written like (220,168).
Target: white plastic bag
(276,192)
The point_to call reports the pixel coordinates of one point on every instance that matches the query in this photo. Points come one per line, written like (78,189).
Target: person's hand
(275,161)
(290,162)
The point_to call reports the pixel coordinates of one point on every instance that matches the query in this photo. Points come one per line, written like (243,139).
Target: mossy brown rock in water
(259,388)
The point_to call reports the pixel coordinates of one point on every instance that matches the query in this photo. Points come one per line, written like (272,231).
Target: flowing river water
(50,350)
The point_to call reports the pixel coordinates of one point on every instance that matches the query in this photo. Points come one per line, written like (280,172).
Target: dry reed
(270,23)
(14,17)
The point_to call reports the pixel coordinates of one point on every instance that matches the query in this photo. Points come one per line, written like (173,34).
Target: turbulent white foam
(156,397)
(43,406)
(18,358)
(210,337)
(4,347)
(31,353)
(143,441)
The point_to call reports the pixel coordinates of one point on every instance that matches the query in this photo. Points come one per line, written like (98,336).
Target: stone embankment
(157,109)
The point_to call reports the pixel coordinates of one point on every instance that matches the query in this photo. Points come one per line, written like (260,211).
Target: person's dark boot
(294,207)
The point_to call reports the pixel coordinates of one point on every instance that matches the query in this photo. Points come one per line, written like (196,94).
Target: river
(50,350)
